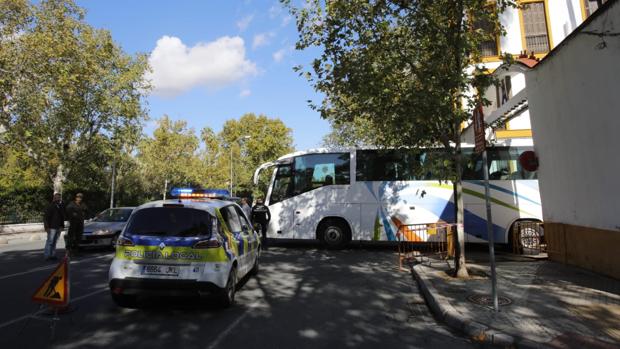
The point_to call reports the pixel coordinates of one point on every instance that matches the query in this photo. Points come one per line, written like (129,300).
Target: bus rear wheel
(527,239)
(333,233)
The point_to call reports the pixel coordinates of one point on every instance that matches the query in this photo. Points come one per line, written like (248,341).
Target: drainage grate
(481,299)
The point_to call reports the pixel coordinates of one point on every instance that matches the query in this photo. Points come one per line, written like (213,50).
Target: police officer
(262,216)
(76,213)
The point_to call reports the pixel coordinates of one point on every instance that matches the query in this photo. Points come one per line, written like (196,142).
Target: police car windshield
(113,215)
(170,221)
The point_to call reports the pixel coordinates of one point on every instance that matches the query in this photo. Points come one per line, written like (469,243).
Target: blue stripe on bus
(387,227)
(370,189)
(503,190)
(474,225)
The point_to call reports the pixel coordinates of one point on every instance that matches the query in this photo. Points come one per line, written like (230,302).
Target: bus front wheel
(333,233)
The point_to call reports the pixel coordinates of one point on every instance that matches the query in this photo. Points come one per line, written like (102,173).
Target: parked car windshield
(170,221)
(114,215)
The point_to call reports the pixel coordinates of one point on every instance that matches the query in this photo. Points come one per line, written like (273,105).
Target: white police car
(183,247)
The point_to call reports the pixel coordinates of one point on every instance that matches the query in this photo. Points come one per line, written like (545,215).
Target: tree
(268,139)
(67,89)
(171,155)
(405,67)
(355,133)
(17,171)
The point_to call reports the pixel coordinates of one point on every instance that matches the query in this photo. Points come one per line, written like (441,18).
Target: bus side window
(317,170)
(472,166)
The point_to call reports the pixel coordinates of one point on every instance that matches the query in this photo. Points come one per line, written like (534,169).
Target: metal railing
(18,218)
(423,240)
(528,237)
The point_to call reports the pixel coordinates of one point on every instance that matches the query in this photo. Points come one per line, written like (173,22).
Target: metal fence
(528,238)
(21,218)
(424,240)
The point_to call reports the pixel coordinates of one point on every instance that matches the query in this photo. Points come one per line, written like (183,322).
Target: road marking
(232,326)
(77,299)
(47,267)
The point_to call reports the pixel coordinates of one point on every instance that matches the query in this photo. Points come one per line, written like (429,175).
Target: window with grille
(592,5)
(488,47)
(535,27)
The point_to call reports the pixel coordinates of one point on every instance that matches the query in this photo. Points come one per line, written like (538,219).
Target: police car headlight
(102,232)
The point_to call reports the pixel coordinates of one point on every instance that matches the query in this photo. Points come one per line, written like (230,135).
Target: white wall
(565,16)
(574,100)
(511,43)
(521,121)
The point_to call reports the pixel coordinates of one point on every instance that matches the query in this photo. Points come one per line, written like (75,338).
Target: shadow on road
(304,297)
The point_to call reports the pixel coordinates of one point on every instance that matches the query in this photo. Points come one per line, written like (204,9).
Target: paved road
(304,297)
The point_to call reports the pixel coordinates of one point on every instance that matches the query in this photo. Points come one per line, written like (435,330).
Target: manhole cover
(488,300)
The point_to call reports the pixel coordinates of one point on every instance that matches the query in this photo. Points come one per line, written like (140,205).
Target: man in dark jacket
(53,223)
(262,216)
(76,213)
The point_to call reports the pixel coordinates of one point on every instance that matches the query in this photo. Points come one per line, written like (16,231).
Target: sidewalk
(552,305)
(19,232)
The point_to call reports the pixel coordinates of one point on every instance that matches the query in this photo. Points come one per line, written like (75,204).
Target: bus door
(282,210)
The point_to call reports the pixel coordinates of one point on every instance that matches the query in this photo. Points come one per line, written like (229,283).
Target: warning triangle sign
(55,289)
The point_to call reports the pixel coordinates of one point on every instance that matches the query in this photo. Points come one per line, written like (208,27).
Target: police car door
(250,238)
(234,224)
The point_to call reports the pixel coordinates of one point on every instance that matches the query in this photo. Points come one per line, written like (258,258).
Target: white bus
(368,194)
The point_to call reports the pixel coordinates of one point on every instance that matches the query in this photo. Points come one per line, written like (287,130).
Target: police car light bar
(190,193)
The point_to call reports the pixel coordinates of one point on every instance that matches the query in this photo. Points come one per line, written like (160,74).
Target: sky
(215,60)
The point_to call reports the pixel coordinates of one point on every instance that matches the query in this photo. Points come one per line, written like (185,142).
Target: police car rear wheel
(124,301)
(228,293)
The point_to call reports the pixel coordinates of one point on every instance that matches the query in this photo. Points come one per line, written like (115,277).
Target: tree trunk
(459,238)
(459,243)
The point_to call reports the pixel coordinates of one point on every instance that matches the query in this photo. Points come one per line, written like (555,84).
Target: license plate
(160,270)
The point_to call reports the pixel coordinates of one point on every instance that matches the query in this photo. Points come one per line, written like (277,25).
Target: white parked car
(104,229)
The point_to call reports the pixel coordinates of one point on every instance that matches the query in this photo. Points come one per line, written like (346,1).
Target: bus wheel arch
(334,231)
(510,232)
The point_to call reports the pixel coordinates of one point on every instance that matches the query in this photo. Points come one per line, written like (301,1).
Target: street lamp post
(242,138)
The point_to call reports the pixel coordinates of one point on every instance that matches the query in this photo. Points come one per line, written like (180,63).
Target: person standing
(76,213)
(262,216)
(246,208)
(53,223)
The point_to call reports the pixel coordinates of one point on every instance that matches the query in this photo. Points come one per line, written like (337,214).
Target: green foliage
(269,139)
(358,132)
(23,204)
(404,67)
(71,112)
(176,154)
(67,89)
(169,155)
(17,171)
(407,68)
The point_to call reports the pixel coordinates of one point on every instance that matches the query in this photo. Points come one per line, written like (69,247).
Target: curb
(476,331)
